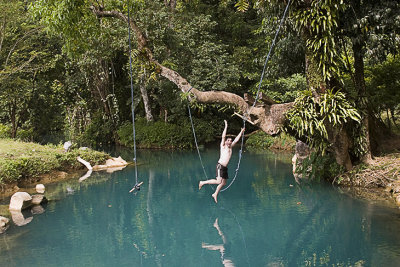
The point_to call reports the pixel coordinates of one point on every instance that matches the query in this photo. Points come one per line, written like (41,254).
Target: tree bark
(359,83)
(2,32)
(145,97)
(338,137)
(13,117)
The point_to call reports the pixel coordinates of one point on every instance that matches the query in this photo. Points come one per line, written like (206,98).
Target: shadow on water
(264,219)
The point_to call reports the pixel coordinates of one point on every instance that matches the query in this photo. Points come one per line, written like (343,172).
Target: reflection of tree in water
(322,225)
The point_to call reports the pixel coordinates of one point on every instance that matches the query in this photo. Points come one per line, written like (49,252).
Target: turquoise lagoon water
(264,219)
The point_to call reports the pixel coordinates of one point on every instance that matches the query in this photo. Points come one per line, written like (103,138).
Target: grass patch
(21,160)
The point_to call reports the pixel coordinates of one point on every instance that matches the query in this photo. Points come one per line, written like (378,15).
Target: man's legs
(217,180)
(219,187)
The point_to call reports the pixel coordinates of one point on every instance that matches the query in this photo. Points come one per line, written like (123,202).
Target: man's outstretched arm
(238,137)
(224,133)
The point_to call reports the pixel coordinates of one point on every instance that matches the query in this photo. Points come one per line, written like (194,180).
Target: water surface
(263,219)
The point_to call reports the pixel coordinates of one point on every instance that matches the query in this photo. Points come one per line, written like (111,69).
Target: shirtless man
(222,166)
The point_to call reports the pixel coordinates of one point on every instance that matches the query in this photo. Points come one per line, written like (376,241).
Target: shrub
(68,160)
(20,160)
(5,131)
(98,132)
(261,141)
(165,135)
(25,134)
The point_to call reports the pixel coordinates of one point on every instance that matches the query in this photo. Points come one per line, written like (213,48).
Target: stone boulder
(20,201)
(38,199)
(111,163)
(67,145)
(40,188)
(4,224)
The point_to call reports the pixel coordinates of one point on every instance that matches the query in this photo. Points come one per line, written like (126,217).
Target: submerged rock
(4,224)
(20,201)
(38,209)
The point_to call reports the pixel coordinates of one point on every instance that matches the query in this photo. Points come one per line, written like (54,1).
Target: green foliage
(285,90)
(25,135)
(262,141)
(166,135)
(320,23)
(319,167)
(259,141)
(68,160)
(383,84)
(19,160)
(97,133)
(310,116)
(27,59)
(242,5)
(5,131)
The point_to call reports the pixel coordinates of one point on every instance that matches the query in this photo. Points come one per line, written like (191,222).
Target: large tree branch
(269,118)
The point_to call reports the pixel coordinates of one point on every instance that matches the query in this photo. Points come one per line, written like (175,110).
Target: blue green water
(260,221)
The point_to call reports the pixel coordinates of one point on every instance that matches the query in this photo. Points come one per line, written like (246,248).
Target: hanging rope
(137,185)
(255,101)
(195,139)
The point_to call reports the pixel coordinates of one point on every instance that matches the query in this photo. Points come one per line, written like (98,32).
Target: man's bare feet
(200,185)
(215,197)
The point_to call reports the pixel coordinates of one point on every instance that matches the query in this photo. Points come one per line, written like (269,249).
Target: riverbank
(379,180)
(25,162)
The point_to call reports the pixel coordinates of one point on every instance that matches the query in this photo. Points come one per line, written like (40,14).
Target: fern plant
(310,116)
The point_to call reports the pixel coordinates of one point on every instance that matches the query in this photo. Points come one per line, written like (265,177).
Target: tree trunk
(171,4)
(145,97)
(13,117)
(362,98)
(336,136)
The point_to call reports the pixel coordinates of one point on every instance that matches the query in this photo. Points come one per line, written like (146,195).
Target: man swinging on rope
(222,166)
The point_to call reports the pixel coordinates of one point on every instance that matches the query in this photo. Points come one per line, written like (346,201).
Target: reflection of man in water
(220,247)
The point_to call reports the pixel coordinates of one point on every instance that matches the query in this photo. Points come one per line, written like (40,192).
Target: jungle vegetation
(332,81)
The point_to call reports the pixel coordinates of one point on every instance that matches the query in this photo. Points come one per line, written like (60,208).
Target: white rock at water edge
(4,223)
(38,199)
(67,145)
(20,201)
(40,188)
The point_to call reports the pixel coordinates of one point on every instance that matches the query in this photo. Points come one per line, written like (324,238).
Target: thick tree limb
(269,117)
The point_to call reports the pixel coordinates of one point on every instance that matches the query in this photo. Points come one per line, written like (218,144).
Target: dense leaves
(310,117)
